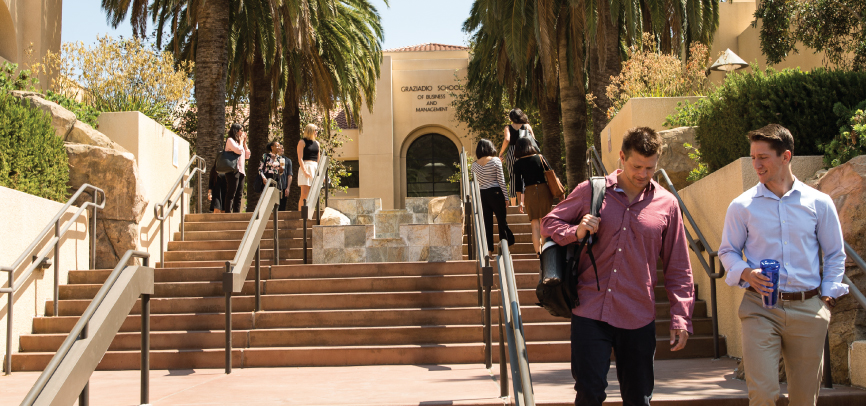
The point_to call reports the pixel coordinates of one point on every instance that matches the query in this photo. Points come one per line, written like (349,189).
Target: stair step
(204,217)
(374,269)
(560,351)
(289,253)
(266,243)
(222,264)
(241,225)
(238,235)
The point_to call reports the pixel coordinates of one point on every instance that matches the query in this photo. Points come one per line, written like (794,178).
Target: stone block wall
(428,229)
(414,242)
(359,211)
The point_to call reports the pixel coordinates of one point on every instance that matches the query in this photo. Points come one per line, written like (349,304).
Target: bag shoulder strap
(544,164)
(598,185)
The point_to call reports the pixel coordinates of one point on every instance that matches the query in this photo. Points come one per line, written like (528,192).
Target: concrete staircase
(316,315)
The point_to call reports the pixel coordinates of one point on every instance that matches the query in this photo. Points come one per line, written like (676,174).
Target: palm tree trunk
(211,62)
(552,144)
(574,115)
(600,73)
(291,138)
(260,103)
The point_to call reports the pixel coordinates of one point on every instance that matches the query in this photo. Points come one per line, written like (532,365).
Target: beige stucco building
(737,34)
(26,23)
(410,142)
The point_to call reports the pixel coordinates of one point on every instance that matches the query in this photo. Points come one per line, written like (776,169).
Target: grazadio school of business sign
(432,98)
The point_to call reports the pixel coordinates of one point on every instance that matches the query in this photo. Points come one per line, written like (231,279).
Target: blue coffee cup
(770,269)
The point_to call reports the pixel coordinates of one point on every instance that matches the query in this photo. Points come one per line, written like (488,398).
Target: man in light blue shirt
(783,219)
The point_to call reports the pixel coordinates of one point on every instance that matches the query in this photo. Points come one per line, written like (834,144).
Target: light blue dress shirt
(790,230)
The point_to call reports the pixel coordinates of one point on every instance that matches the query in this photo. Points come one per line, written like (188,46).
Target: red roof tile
(430,46)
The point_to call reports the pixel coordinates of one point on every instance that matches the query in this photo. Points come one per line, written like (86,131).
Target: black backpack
(557,283)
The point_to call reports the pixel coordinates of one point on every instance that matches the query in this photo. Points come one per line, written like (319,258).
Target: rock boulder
(116,173)
(445,209)
(331,217)
(674,157)
(83,133)
(61,119)
(846,184)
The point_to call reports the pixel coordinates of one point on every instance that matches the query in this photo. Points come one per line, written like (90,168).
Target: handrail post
(84,397)
(161,238)
(9,314)
(827,380)
(503,362)
(259,277)
(467,209)
(276,234)
(304,214)
(487,276)
(56,265)
(714,309)
(227,288)
(93,231)
(200,198)
(182,206)
(145,348)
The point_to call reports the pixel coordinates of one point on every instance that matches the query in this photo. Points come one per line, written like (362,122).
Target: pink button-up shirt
(629,241)
(234,146)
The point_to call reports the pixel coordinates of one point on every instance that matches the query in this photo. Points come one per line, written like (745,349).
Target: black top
(514,134)
(528,171)
(311,150)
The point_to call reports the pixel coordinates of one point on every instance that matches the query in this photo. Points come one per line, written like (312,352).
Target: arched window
(430,161)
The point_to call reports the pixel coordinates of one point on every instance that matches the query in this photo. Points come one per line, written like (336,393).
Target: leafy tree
(835,27)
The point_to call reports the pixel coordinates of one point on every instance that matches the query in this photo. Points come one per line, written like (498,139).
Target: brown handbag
(553,183)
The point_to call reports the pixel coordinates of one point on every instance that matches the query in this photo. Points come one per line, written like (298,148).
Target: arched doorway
(430,161)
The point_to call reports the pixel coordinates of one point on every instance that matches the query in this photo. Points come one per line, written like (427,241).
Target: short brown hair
(779,138)
(643,140)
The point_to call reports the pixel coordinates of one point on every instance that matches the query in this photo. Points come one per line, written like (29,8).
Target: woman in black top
(519,122)
(274,165)
(216,190)
(308,161)
(531,187)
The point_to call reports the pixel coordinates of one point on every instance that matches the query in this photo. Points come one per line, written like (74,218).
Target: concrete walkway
(682,382)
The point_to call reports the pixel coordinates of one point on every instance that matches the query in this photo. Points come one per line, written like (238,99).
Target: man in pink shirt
(638,223)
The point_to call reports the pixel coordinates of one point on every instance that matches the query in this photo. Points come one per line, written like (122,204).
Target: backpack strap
(598,184)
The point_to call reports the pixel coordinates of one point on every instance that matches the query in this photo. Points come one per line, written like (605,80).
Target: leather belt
(793,295)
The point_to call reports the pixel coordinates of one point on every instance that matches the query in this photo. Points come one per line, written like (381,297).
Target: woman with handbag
(518,128)
(274,165)
(308,161)
(532,187)
(237,143)
(487,171)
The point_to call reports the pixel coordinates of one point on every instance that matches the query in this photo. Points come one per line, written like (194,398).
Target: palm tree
(331,60)
(211,22)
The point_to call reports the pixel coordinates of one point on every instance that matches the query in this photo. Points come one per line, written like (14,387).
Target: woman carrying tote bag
(519,127)
(237,143)
(533,193)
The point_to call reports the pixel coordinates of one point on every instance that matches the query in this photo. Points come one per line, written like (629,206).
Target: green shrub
(851,139)
(32,157)
(686,115)
(800,101)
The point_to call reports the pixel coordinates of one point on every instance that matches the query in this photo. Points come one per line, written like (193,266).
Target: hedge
(800,101)
(32,158)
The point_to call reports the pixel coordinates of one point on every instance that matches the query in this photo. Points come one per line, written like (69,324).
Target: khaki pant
(796,331)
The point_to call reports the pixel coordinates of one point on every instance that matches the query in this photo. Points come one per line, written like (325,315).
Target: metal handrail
(182,182)
(699,245)
(80,331)
(852,289)
(40,259)
(510,311)
(238,268)
(319,180)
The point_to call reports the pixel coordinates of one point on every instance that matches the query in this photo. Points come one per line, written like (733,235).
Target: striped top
(490,175)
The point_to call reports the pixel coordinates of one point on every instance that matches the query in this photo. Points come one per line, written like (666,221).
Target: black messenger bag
(557,283)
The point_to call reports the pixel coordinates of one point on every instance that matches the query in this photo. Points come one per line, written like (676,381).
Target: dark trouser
(234,191)
(591,345)
(493,202)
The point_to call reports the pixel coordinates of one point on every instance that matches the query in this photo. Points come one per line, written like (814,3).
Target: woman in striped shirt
(487,171)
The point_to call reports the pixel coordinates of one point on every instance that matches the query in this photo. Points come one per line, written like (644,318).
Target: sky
(406,22)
